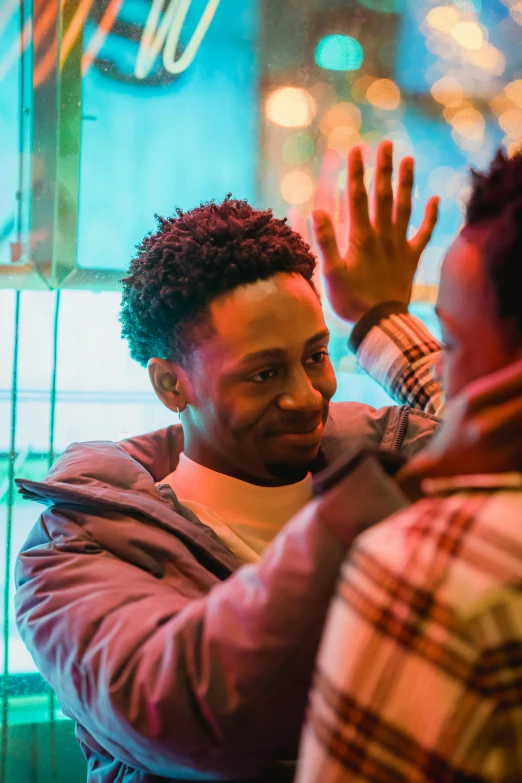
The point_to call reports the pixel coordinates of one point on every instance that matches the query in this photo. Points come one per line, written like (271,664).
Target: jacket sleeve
(165,679)
(399,352)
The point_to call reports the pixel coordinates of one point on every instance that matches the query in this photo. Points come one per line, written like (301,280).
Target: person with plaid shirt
(419,674)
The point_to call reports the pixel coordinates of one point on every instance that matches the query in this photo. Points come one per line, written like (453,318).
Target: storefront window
(114,110)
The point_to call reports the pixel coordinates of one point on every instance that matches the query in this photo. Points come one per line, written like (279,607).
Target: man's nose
(300,394)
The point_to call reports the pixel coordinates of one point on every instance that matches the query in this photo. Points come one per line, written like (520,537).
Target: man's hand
(380,263)
(481,432)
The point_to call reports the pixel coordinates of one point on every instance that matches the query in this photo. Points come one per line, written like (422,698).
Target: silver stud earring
(179,414)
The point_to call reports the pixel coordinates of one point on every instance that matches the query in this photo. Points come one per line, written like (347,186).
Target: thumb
(324,233)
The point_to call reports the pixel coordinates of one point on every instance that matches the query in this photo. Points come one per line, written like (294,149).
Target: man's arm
(400,353)
(164,677)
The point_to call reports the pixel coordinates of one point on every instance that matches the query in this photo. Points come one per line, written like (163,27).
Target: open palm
(380,263)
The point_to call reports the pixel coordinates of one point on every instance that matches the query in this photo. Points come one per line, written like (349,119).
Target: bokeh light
(488,58)
(383,94)
(343,138)
(516,12)
(511,122)
(468,34)
(297,187)
(345,114)
(469,123)
(513,91)
(298,148)
(447,91)
(360,87)
(291,107)
(339,53)
(443,18)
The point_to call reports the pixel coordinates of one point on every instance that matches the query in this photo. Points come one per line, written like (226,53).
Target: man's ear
(168,383)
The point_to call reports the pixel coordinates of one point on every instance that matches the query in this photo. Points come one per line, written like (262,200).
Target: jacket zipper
(401,429)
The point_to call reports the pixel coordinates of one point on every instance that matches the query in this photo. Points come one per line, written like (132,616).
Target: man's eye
(318,357)
(264,375)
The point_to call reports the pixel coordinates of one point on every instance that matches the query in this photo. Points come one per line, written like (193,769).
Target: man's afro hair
(192,258)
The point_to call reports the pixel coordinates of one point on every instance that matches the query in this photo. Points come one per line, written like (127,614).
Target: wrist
(372,317)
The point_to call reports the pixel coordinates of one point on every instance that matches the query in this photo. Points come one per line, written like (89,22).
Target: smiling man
(176,659)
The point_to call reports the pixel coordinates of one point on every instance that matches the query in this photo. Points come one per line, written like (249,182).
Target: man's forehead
(268,314)
(251,308)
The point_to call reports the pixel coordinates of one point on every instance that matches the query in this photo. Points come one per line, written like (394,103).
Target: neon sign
(162,31)
(165,35)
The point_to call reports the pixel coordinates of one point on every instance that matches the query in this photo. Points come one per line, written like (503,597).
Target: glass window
(114,110)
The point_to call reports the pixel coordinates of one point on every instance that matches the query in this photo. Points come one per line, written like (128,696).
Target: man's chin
(293,468)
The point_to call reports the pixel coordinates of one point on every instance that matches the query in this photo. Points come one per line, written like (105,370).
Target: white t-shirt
(246,517)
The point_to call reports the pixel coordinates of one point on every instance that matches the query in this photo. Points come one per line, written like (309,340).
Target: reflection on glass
(134,107)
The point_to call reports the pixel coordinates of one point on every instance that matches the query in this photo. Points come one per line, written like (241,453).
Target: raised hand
(380,263)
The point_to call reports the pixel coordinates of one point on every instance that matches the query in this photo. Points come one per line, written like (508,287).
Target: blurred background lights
(516,12)
(291,107)
(445,181)
(513,91)
(342,139)
(468,34)
(298,148)
(383,94)
(469,123)
(297,187)
(443,18)
(488,58)
(360,88)
(447,91)
(339,53)
(346,114)
(469,6)
(511,122)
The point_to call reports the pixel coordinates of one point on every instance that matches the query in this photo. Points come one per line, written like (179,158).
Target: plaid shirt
(420,670)
(400,353)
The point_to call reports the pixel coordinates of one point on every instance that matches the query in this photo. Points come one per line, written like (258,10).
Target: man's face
(260,386)
(476,341)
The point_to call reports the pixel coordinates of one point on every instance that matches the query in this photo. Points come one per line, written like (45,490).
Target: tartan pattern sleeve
(419,672)
(399,353)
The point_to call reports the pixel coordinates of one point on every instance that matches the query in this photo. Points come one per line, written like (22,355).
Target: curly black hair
(496,199)
(192,258)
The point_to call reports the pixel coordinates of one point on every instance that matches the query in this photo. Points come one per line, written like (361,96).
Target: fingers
(357,196)
(496,388)
(403,203)
(383,192)
(325,237)
(423,235)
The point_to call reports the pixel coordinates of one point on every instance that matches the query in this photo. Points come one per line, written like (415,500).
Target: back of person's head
(496,205)
(191,259)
